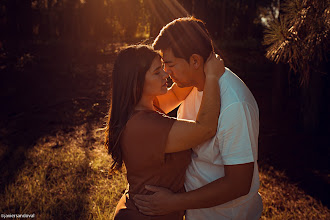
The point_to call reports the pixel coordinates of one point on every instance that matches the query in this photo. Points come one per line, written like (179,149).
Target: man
(222,180)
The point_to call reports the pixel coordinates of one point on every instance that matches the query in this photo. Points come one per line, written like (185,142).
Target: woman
(153,146)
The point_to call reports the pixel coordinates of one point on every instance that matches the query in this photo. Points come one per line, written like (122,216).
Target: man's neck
(199,81)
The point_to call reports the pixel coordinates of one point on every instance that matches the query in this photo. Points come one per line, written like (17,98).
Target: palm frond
(301,36)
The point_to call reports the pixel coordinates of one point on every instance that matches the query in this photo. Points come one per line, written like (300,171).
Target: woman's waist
(137,183)
(141,190)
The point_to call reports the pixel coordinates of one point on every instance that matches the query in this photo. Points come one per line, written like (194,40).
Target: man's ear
(196,61)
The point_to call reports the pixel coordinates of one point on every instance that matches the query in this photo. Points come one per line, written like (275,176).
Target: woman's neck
(146,103)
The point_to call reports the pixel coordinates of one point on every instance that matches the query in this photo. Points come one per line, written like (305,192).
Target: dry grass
(284,200)
(66,177)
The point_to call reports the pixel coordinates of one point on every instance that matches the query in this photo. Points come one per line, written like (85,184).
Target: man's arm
(173,98)
(235,183)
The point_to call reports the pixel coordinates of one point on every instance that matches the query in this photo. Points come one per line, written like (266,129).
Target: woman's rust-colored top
(143,149)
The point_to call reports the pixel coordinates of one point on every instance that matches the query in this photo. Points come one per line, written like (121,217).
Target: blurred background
(56,58)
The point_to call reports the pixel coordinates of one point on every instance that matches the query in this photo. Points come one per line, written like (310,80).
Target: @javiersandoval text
(4,216)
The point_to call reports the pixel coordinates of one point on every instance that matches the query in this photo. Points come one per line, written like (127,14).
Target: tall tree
(162,12)
(18,16)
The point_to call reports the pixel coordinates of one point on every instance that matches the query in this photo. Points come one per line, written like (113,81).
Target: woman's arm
(187,134)
(172,98)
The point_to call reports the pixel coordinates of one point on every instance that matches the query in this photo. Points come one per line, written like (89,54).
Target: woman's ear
(196,61)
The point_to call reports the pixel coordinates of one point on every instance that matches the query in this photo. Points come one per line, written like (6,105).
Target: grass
(284,200)
(63,178)
(66,176)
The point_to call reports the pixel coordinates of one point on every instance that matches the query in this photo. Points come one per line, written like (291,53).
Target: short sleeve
(239,130)
(144,138)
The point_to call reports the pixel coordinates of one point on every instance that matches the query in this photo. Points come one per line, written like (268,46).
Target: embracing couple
(202,164)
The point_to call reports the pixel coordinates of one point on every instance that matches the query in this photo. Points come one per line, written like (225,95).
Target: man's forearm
(212,194)
(218,192)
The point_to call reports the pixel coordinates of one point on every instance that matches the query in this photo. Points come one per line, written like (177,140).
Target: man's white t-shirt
(236,142)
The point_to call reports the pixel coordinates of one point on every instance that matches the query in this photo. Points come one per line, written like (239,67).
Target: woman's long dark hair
(128,77)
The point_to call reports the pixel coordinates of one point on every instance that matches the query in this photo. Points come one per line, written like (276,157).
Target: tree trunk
(251,15)
(26,19)
(311,103)
(188,5)
(200,9)
(222,19)
(279,92)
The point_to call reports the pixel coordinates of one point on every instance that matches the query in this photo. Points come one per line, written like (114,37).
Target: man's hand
(160,203)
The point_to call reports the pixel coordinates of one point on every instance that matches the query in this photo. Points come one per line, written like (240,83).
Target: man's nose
(165,74)
(167,69)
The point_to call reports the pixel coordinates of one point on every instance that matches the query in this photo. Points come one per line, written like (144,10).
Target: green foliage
(300,37)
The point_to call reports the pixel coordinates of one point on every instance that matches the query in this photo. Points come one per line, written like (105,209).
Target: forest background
(56,58)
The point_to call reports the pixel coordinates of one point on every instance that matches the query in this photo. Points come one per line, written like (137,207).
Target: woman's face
(155,83)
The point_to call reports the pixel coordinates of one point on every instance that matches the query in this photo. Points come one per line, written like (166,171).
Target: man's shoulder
(234,90)
(239,106)
(230,79)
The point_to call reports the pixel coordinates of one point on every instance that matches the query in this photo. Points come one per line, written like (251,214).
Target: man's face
(177,68)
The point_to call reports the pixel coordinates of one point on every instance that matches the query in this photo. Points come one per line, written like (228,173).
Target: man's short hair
(185,36)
